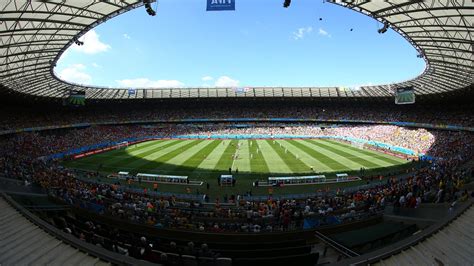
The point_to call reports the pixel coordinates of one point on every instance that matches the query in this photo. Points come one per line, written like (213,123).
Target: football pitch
(249,160)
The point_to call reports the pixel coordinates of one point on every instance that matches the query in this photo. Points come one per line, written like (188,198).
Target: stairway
(452,245)
(24,243)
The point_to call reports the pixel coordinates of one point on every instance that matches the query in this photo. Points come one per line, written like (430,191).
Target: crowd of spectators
(126,243)
(16,118)
(441,181)
(38,144)
(419,140)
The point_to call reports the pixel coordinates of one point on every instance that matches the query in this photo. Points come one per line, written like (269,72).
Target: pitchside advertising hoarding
(219,5)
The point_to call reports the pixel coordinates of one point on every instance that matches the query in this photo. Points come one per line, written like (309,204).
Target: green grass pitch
(254,159)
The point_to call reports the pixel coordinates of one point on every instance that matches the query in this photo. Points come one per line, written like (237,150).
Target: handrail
(88,248)
(340,248)
(11,180)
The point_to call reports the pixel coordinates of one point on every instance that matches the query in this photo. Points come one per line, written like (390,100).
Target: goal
(122,145)
(359,145)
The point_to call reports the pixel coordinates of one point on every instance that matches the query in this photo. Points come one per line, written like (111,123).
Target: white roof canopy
(33,34)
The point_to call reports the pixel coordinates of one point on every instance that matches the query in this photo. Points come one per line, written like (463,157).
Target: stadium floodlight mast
(79,43)
(384,29)
(420,55)
(148,8)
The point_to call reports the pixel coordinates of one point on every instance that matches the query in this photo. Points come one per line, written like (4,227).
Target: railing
(398,247)
(338,247)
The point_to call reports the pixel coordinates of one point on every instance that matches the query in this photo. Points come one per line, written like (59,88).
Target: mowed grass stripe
(226,159)
(139,158)
(257,162)
(379,155)
(195,155)
(158,161)
(275,163)
(110,154)
(142,145)
(134,161)
(184,155)
(151,149)
(125,155)
(139,152)
(243,163)
(130,149)
(213,158)
(305,157)
(342,151)
(348,163)
(323,158)
(296,165)
(356,152)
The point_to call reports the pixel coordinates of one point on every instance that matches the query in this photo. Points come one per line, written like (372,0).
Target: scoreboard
(405,95)
(77,98)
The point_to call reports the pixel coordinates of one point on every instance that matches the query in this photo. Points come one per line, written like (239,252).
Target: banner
(219,5)
(241,90)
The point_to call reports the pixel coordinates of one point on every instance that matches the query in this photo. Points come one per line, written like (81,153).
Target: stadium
(168,174)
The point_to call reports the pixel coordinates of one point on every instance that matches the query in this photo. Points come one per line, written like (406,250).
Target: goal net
(122,145)
(359,145)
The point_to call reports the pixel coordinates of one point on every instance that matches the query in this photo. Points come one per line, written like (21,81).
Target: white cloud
(207,78)
(92,44)
(301,32)
(126,36)
(225,81)
(96,65)
(322,32)
(147,83)
(75,73)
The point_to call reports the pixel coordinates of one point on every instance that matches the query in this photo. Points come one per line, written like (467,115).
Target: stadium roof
(33,35)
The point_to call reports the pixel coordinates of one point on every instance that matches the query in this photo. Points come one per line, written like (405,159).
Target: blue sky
(259,44)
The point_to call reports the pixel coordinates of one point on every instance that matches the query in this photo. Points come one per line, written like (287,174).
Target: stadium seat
(223,262)
(206,261)
(156,256)
(173,259)
(189,260)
